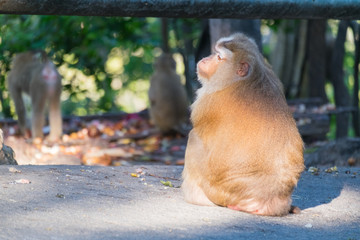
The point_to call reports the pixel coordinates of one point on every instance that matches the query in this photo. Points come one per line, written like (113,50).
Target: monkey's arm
(195,157)
(55,117)
(19,105)
(38,109)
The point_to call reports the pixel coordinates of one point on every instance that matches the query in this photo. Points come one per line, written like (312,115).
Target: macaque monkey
(168,100)
(33,73)
(244,151)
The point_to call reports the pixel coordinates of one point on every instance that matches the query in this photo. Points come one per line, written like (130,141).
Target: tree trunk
(299,61)
(204,47)
(165,35)
(216,28)
(189,61)
(288,57)
(225,27)
(342,98)
(356,121)
(317,59)
(5,106)
(278,55)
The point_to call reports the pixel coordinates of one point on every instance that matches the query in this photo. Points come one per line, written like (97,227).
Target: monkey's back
(252,148)
(24,65)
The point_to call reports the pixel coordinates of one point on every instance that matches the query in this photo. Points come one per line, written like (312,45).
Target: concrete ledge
(82,202)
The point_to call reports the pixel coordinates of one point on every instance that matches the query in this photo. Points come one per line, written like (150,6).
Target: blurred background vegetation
(106,63)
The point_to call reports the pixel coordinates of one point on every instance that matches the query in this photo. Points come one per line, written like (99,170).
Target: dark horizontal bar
(265,9)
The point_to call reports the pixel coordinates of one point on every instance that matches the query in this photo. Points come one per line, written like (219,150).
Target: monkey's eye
(219,57)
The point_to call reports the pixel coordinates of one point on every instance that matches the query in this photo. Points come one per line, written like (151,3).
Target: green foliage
(82,45)
(331,135)
(273,24)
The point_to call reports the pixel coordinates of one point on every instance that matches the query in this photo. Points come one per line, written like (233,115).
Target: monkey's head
(235,59)
(165,61)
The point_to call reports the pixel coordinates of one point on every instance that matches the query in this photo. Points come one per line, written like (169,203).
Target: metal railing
(250,9)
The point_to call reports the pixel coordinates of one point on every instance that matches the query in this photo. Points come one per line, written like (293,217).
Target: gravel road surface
(83,202)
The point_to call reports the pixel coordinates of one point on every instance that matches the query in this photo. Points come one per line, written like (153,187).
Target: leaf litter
(127,139)
(116,140)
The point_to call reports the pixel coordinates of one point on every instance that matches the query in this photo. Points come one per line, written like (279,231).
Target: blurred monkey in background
(167,96)
(34,73)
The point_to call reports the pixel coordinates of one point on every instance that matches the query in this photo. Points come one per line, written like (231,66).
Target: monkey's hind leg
(194,194)
(19,108)
(55,119)
(273,207)
(38,118)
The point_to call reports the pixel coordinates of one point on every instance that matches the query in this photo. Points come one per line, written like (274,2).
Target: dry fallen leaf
(109,131)
(73,136)
(93,131)
(37,141)
(14,170)
(180,162)
(175,148)
(22,181)
(72,150)
(314,170)
(167,183)
(93,159)
(82,134)
(60,195)
(124,141)
(351,161)
(309,225)
(115,152)
(51,150)
(118,126)
(332,169)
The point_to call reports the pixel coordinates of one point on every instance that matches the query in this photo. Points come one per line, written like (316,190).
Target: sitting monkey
(168,100)
(244,151)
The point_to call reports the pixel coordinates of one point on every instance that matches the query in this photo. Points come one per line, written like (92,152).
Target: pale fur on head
(211,85)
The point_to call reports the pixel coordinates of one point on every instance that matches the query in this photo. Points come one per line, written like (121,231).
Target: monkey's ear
(243,69)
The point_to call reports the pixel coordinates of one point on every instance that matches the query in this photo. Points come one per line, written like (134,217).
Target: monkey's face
(207,67)
(50,77)
(226,65)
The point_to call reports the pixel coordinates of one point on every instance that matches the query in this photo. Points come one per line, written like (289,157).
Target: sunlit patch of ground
(102,142)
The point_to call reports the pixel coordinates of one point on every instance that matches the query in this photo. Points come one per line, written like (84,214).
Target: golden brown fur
(33,73)
(244,151)
(168,101)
